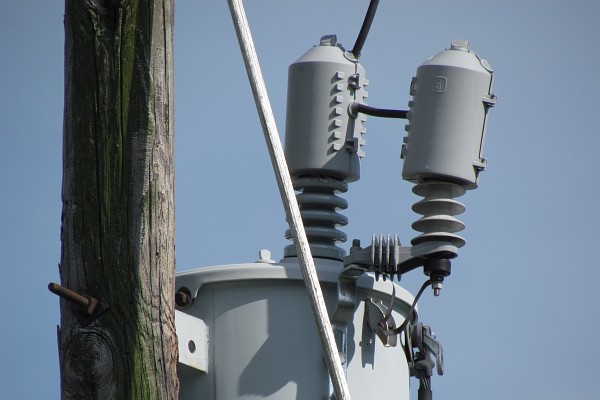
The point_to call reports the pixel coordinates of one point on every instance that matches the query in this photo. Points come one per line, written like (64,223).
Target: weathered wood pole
(118,219)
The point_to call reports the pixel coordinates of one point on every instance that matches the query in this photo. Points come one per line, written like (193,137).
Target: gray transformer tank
(447,118)
(320,136)
(260,340)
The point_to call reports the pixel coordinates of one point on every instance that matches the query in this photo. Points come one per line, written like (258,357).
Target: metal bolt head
(437,287)
(264,256)
(183,298)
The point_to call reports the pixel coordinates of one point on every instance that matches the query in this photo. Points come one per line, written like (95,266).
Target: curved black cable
(378,112)
(364,30)
(391,332)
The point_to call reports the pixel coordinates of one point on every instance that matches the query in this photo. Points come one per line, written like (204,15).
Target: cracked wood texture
(118,219)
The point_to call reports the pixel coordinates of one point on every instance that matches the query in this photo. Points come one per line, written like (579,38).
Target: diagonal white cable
(288,198)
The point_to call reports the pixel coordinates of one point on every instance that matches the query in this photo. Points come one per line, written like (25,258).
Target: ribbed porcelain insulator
(438,209)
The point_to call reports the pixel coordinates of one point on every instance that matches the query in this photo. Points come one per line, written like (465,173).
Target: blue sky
(519,316)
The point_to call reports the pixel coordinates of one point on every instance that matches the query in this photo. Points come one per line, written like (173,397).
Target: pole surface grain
(118,219)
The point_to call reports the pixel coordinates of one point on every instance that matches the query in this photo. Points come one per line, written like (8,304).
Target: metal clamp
(344,309)
(420,364)
(423,339)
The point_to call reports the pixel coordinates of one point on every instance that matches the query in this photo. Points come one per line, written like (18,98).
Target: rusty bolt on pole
(87,303)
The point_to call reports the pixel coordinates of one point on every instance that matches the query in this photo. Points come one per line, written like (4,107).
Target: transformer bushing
(442,151)
(323,144)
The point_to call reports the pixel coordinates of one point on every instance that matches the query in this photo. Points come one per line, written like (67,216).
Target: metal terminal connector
(437,269)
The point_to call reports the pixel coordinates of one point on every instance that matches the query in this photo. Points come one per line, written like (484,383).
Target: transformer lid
(328,50)
(287,269)
(460,55)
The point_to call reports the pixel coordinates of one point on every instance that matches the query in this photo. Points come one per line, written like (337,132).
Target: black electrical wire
(364,30)
(392,332)
(378,112)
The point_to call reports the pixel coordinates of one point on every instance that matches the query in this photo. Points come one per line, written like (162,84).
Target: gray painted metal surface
(320,136)
(193,340)
(447,118)
(263,342)
(290,205)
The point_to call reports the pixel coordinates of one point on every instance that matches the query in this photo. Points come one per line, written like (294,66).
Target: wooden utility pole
(117,338)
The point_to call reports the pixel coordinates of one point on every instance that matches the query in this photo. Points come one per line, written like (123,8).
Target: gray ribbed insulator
(385,255)
(438,209)
(318,208)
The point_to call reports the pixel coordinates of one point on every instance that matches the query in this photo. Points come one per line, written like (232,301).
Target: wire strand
(364,30)
(378,112)
(391,332)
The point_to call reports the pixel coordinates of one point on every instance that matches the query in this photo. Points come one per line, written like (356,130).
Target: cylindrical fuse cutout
(320,136)
(447,118)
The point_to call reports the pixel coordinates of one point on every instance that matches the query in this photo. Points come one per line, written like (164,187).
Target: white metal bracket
(192,335)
